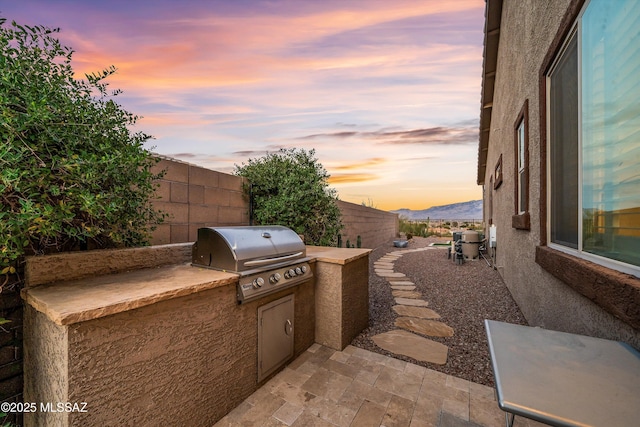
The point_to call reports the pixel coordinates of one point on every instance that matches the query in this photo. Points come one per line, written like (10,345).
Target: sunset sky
(386,92)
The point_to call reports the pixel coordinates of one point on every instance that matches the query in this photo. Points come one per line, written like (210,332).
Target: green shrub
(414,228)
(290,188)
(71,172)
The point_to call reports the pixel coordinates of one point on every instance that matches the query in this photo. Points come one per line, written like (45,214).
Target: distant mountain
(464,210)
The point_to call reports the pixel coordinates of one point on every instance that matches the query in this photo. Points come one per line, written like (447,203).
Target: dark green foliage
(290,188)
(414,228)
(71,171)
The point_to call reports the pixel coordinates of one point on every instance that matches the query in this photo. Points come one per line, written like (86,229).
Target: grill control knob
(298,271)
(257,283)
(275,278)
(292,272)
(304,269)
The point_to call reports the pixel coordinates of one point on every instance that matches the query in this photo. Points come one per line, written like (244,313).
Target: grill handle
(259,262)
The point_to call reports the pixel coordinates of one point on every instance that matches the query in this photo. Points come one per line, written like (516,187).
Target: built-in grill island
(267,258)
(182,333)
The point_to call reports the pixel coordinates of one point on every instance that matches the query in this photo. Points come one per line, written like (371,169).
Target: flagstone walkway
(416,320)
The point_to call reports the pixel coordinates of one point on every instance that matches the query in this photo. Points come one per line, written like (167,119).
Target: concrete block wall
(196,197)
(375,227)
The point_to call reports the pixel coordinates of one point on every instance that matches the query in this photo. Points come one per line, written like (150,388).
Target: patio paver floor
(356,387)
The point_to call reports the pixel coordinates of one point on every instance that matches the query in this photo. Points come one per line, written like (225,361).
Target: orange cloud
(349,178)
(361,165)
(203,50)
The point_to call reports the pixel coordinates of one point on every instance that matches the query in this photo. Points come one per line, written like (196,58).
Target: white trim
(548,153)
(521,166)
(578,35)
(565,44)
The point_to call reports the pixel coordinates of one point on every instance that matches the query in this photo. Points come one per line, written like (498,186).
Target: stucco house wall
(520,36)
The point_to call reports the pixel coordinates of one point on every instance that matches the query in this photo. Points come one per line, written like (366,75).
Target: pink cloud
(217,81)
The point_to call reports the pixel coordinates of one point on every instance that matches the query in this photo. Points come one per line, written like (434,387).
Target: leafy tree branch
(72,173)
(290,188)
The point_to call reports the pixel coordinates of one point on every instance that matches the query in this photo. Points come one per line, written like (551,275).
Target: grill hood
(244,249)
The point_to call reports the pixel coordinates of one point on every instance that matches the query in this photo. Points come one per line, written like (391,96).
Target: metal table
(563,379)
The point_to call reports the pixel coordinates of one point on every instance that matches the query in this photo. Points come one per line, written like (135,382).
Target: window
(522,179)
(498,173)
(521,141)
(594,137)
(563,150)
(490,190)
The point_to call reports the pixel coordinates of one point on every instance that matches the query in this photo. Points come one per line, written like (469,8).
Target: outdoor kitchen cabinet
(342,294)
(156,346)
(276,323)
(169,343)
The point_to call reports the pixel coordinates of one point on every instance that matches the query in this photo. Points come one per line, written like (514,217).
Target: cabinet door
(275,335)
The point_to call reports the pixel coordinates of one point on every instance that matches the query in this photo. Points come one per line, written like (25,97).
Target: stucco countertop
(71,301)
(336,255)
(79,300)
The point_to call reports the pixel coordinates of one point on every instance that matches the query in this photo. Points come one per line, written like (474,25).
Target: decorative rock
(412,302)
(422,312)
(425,327)
(406,294)
(402,288)
(412,345)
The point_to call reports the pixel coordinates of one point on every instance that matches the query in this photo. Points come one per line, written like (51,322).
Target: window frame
(498,173)
(558,59)
(572,30)
(615,292)
(491,200)
(521,169)
(521,219)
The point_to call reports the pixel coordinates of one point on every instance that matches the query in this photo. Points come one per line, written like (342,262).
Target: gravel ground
(464,295)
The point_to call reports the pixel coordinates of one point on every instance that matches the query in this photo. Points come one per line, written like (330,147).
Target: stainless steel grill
(267,258)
